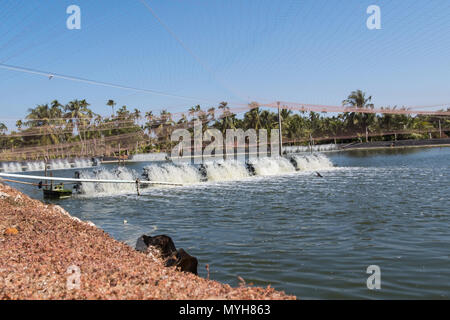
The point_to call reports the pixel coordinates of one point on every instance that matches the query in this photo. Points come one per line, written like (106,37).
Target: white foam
(312,162)
(93,189)
(62,164)
(272,166)
(35,166)
(59,164)
(82,163)
(12,167)
(177,173)
(226,170)
(215,171)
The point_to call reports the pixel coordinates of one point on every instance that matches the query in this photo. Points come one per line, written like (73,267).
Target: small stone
(4,195)
(11,231)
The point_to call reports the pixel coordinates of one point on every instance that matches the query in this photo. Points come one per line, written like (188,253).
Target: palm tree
(193,110)
(165,128)
(78,113)
(123,113)
(227,120)
(252,118)
(137,114)
(39,116)
(111,104)
(44,118)
(358,99)
(211,113)
(268,120)
(3,128)
(149,125)
(19,124)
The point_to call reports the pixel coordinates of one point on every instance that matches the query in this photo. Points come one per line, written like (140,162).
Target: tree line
(75,125)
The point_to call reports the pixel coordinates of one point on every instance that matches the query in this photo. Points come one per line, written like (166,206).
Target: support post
(280,137)
(440,129)
(119,153)
(137,187)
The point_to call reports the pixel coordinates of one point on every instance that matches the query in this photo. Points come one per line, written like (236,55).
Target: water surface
(309,236)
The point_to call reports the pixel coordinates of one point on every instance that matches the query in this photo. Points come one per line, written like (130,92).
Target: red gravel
(34,261)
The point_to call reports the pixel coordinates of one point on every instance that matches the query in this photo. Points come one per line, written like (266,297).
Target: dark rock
(250,168)
(203,172)
(140,244)
(186,262)
(163,243)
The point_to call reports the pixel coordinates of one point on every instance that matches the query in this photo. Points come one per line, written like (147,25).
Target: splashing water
(59,164)
(12,167)
(272,166)
(82,163)
(230,170)
(92,189)
(312,162)
(35,166)
(214,171)
(177,173)
(226,170)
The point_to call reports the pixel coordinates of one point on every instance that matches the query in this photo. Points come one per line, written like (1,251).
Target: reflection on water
(312,237)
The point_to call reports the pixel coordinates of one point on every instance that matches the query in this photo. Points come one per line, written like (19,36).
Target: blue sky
(311,51)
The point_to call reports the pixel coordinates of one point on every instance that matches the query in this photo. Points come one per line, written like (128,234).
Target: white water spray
(272,166)
(82,163)
(177,173)
(235,170)
(12,167)
(312,162)
(226,170)
(93,189)
(35,166)
(59,164)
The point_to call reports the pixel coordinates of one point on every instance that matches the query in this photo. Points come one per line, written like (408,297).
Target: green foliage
(76,123)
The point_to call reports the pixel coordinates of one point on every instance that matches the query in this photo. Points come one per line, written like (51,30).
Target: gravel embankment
(38,243)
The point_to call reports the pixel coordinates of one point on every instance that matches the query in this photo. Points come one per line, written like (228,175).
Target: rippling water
(309,236)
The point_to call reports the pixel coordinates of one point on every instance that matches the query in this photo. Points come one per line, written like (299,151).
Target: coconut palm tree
(227,119)
(252,118)
(78,114)
(136,114)
(193,111)
(19,124)
(111,103)
(3,128)
(358,120)
(211,113)
(164,130)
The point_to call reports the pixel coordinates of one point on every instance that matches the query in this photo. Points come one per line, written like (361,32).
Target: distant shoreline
(400,144)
